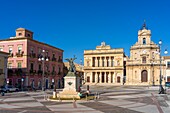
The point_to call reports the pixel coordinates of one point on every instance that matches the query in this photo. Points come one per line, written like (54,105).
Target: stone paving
(123,100)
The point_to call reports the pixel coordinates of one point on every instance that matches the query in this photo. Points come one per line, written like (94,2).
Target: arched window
(144,41)
(144,76)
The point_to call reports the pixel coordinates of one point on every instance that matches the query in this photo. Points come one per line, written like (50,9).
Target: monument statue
(72,67)
(71,82)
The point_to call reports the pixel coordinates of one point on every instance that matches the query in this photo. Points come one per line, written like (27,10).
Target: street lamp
(43,59)
(22,83)
(161,89)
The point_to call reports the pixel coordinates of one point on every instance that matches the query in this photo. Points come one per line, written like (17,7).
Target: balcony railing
(40,72)
(32,71)
(54,59)
(59,73)
(53,73)
(19,54)
(47,73)
(32,55)
(60,60)
(18,72)
(11,55)
(10,72)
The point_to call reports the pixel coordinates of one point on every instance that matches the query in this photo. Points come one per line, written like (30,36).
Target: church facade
(145,65)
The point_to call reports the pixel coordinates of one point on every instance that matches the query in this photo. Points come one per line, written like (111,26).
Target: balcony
(32,55)
(18,72)
(53,73)
(10,55)
(54,59)
(40,72)
(47,73)
(32,71)
(60,60)
(39,56)
(59,73)
(19,54)
(10,72)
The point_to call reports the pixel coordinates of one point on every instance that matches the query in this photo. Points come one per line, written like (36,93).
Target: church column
(91,77)
(100,62)
(100,77)
(96,64)
(109,61)
(114,77)
(105,77)
(109,77)
(121,78)
(105,61)
(96,77)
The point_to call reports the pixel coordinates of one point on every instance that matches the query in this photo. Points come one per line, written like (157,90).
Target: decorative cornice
(103,53)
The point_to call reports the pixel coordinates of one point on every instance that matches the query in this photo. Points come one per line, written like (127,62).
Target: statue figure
(72,67)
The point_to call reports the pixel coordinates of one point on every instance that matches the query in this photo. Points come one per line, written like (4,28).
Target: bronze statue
(72,67)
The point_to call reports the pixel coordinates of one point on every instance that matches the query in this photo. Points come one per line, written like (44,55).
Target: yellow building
(104,65)
(3,67)
(143,66)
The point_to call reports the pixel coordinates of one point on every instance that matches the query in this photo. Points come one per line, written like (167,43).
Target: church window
(135,74)
(20,34)
(88,63)
(144,59)
(168,64)
(28,35)
(144,41)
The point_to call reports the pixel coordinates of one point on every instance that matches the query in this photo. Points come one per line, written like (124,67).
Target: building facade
(144,66)
(24,68)
(167,73)
(104,65)
(3,67)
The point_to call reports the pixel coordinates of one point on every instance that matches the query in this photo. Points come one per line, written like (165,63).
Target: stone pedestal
(71,86)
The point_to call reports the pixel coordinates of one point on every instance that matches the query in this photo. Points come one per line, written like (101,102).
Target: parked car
(8,89)
(167,84)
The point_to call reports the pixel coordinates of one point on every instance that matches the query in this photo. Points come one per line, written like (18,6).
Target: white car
(10,89)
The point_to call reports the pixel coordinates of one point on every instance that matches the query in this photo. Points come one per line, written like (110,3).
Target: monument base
(67,94)
(71,85)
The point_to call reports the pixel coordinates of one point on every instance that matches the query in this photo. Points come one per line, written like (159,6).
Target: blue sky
(78,25)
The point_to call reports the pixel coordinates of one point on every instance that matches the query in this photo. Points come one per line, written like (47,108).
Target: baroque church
(144,65)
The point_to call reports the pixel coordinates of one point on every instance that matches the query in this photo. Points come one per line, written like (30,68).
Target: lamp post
(161,89)
(22,83)
(43,59)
